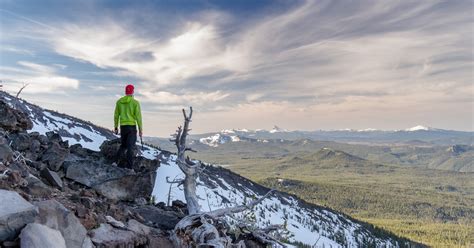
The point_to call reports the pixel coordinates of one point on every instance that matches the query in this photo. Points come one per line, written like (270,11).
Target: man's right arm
(116,118)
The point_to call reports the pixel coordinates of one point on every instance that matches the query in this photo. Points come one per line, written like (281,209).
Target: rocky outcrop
(52,177)
(15,213)
(13,119)
(159,218)
(76,193)
(91,173)
(54,215)
(128,188)
(54,156)
(107,236)
(6,154)
(40,236)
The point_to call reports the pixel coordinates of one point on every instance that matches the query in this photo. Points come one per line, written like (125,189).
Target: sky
(301,65)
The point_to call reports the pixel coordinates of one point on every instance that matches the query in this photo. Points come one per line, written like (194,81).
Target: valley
(369,183)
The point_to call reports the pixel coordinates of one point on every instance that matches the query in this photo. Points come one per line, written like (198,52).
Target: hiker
(128,114)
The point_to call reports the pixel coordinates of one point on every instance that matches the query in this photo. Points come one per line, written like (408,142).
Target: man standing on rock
(128,114)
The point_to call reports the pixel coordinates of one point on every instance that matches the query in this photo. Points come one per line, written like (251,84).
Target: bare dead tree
(21,89)
(188,167)
(204,229)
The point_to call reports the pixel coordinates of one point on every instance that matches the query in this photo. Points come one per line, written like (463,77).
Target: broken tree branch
(241,208)
(21,89)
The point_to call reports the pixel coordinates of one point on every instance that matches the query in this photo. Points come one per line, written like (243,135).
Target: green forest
(433,207)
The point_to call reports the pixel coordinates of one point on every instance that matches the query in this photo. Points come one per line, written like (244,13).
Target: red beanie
(129,89)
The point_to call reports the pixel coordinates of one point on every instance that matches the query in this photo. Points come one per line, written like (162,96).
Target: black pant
(128,138)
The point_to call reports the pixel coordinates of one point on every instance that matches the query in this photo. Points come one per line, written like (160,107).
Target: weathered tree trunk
(190,193)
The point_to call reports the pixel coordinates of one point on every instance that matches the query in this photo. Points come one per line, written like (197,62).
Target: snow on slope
(74,130)
(306,223)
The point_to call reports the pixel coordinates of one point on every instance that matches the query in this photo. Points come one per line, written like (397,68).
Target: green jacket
(128,112)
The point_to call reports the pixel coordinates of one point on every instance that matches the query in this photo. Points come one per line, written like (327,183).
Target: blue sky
(246,64)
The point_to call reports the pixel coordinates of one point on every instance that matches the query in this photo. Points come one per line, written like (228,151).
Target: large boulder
(52,177)
(15,213)
(6,154)
(91,173)
(128,188)
(54,156)
(109,149)
(39,236)
(20,141)
(159,218)
(37,188)
(54,215)
(13,120)
(106,236)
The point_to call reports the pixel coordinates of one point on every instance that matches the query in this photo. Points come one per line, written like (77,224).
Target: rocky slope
(54,182)
(56,195)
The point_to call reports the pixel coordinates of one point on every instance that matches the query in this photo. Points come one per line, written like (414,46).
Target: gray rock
(54,215)
(36,187)
(115,223)
(91,173)
(15,213)
(12,119)
(20,141)
(137,227)
(35,146)
(6,154)
(53,136)
(52,178)
(55,156)
(88,243)
(159,218)
(128,188)
(39,236)
(109,149)
(159,241)
(107,236)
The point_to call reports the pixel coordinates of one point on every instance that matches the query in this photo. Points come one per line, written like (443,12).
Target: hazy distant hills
(324,158)
(418,135)
(418,146)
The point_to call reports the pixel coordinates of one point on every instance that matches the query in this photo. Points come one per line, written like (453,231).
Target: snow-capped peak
(418,128)
(226,131)
(276,129)
(367,130)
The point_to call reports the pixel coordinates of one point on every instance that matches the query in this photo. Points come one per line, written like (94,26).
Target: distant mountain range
(418,135)
(418,146)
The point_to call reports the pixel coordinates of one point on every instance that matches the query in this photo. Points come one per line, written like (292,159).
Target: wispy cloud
(364,57)
(40,78)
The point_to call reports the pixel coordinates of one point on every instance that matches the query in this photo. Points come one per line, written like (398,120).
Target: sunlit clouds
(411,61)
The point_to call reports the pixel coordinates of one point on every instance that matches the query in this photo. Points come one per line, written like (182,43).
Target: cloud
(335,56)
(168,98)
(40,78)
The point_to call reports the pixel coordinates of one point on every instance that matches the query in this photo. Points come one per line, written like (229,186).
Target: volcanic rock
(54,215)
(15,213)
(40,236)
